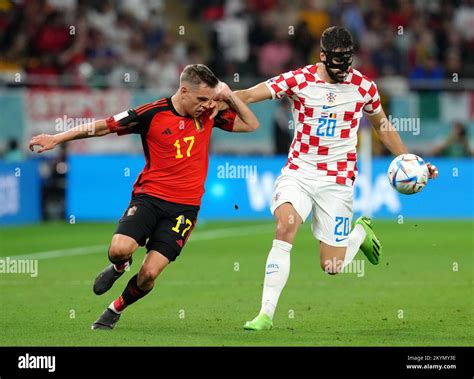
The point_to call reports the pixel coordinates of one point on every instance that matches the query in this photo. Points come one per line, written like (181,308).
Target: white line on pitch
(195,237)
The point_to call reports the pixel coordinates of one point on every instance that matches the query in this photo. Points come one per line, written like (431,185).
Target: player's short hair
(197,74)
(336,37)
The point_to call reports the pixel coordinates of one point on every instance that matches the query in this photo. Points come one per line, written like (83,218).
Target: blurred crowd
(146,43)
(97,43)
(104,43)
(415,39)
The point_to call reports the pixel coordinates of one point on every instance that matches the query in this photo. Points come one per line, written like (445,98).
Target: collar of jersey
(173,109)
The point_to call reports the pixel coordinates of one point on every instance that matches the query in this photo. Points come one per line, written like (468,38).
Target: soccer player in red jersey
(166,196)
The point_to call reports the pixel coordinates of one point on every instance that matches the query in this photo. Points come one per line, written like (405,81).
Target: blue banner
(19,193)
(99,188)
(241,188)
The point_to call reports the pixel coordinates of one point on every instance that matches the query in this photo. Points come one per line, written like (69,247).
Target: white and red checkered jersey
(326,120)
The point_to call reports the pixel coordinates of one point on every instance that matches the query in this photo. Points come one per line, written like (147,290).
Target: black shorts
(165,225)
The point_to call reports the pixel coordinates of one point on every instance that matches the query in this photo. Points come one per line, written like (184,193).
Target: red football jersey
(176,149)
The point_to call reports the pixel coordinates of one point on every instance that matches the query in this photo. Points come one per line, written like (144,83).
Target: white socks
(356,237)
(277,271)
(277,268)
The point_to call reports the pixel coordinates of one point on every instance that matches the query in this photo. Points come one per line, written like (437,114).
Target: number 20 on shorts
(343,226)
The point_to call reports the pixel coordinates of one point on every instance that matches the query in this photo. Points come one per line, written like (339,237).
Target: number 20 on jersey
(327,126)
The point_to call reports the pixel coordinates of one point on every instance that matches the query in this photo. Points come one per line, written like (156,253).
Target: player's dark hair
(336,37)
(197,74)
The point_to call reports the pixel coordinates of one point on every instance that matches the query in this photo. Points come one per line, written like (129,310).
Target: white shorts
(330,203)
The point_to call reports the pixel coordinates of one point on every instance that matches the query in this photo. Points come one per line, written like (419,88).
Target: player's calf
(152,267)
(331,258)
(130,295)
(137,287)
(331,266)
(146,278)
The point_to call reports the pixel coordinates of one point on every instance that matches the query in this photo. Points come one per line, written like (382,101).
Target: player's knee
(285,230)
(119,252)
(147,275)
(121,248)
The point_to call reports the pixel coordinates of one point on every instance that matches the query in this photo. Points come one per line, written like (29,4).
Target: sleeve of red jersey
(225,120)
(127,122)
(287,84)
(372,105)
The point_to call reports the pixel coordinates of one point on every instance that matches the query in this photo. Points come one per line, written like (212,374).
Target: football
(408,174)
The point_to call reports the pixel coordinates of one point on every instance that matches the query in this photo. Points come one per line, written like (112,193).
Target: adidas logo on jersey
(166,131)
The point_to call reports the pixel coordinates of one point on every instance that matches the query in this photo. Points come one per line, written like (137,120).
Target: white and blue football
(408,174)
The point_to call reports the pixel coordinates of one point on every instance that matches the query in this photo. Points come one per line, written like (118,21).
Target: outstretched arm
(254,94)
(48,141)
(391,139)
(245,121)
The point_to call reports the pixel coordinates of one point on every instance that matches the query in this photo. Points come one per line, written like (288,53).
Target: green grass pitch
(420,294)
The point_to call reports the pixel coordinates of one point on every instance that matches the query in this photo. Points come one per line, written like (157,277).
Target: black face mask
(344,57)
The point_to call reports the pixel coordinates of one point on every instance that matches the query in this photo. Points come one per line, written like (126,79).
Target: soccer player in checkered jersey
(175,133)
(328,100)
